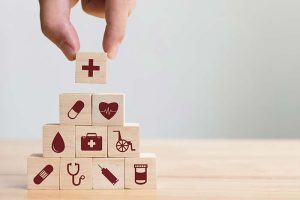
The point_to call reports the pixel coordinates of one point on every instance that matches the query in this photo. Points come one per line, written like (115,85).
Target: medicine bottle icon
(140,173)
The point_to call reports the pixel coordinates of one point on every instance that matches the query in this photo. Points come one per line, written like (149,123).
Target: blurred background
(196,68)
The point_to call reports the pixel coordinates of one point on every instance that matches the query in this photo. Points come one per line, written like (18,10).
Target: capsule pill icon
(43,174)
(76,109)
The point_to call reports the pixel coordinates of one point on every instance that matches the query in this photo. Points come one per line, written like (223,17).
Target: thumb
(116,14)
(56,25)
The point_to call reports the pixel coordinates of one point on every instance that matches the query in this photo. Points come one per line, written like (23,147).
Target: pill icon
(42,175)
(76,109)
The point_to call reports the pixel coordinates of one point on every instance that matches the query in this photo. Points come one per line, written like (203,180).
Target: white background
(188,68)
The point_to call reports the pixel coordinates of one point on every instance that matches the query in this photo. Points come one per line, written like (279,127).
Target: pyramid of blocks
(92,147)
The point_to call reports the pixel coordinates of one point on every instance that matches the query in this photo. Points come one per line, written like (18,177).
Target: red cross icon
(91,143)
(91,68)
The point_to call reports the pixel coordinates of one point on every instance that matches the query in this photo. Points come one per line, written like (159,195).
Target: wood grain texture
(86,131)
(82,179)
(115,166)
(117,116)
(208,169)
(99,60)
(67,102)
(36,169)
(129,145)
(140,172)
(67,133)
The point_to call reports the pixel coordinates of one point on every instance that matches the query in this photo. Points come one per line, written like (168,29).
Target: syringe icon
(109,175)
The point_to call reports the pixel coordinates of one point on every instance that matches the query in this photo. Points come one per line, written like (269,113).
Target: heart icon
(108,110)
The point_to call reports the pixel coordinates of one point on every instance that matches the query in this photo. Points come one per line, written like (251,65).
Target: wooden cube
(58,140)
(140,173)
(91,141)
(124,141)
(90,67)
(76,173)
(75,109)
(42,173)
(108,173)
(108,109)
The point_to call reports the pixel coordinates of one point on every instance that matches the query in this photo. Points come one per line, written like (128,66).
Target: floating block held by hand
(90,68)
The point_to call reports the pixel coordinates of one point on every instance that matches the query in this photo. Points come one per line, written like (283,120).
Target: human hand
(56,24)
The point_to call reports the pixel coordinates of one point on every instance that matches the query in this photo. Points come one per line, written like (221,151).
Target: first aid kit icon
(91,142)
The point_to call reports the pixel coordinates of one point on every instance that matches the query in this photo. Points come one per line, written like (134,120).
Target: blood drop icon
(58,144)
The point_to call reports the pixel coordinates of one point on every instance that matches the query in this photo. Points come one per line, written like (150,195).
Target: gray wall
(188,68)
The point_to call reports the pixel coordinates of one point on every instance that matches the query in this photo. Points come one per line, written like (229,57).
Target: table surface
(187,169)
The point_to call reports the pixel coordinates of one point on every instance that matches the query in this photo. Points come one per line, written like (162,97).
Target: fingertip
(111,43)
(116,14)
(111,56)
(68,50)
(112,53)
(110,48)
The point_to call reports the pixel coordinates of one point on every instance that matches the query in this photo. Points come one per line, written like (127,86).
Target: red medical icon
(58,144)
(109,175)
(91,68)
(73,174)
(140,177)
(108,110)
(123,145)
(76,109)
(43,174)
(91,142)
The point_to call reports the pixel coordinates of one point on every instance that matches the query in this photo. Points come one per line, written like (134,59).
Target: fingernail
(67,50)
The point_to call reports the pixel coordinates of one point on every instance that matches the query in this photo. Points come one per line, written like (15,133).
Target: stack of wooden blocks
(92,147)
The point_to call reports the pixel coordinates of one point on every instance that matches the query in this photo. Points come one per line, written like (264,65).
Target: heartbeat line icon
(108,110)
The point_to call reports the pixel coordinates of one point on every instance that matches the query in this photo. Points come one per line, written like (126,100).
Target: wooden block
(58,140)
(108,173)
(124,141)
(90,67)
(75,109)
(76,173)
(108,109)
(91,141)
(140,173)
(42,173)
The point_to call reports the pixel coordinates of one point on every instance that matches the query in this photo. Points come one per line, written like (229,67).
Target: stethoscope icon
(74,174)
